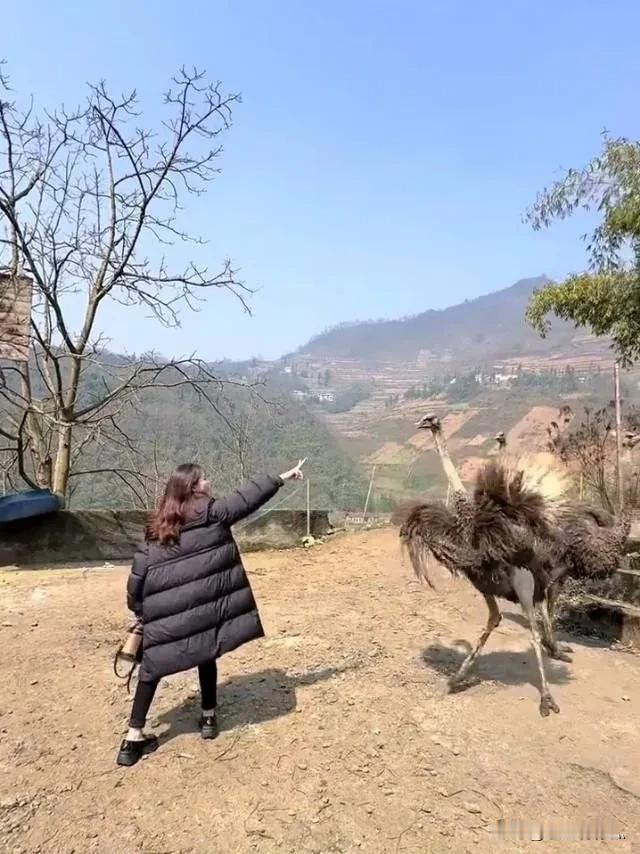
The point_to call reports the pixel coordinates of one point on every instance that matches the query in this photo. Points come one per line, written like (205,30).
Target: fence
(99,535)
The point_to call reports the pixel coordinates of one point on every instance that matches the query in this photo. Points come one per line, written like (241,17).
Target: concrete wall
(97,535)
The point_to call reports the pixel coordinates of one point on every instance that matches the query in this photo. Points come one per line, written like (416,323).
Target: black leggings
(145,691)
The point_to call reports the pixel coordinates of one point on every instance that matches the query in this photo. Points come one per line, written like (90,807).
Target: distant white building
(299,394)
(326,396)
(503,379)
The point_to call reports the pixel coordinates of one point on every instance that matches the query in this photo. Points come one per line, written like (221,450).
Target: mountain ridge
(490,326)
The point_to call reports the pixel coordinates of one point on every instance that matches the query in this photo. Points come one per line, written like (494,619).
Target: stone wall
(607,608)
(98,535)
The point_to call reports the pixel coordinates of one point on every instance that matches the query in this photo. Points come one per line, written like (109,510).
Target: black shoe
(131,751)
(208,726)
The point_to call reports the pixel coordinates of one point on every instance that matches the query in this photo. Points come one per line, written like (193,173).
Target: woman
(189,588)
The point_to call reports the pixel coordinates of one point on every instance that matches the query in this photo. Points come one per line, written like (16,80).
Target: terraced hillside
(404,459)
(485,337)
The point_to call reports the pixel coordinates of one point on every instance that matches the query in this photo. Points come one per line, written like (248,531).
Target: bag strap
(129,675)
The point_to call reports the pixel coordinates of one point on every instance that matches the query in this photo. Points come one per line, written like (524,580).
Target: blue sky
(383,153)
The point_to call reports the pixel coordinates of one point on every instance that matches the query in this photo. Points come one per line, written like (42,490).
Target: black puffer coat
(194,597)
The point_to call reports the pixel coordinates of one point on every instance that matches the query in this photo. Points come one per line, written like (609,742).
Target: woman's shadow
(250,698)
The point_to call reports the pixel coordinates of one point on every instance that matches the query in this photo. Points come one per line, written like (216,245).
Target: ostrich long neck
(447,463)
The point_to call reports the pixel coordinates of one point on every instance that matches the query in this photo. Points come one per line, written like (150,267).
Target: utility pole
(366,503)
(308,509)
(616,379)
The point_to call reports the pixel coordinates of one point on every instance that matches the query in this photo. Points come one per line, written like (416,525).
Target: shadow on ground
(250,698)
(566,634)
(504,666)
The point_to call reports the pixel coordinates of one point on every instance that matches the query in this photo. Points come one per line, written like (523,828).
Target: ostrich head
(565,414)
(630,440)
(430,422)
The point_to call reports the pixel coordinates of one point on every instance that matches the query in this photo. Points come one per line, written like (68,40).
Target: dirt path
(338,734)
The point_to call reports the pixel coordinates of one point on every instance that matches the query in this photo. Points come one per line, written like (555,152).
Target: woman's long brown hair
(166,520)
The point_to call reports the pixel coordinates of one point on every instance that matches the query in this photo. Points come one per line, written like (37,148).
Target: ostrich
(557,432)
(593,541)
(589,542)
(489,537)
(630,439)
(556,650)
(565,415)
(629,442)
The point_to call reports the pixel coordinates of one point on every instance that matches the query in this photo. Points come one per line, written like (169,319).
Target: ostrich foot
(559,653)
(462,681)
(548,705)
(456,683)
(557,646)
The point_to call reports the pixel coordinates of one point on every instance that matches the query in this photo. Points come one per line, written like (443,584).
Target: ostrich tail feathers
(419,556)
(543,475)
(531,489)
(427,529)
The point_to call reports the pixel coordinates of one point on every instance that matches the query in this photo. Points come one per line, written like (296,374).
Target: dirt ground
(338,732)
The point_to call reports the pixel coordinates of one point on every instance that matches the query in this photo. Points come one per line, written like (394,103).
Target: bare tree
(7,466)
(89,201)
(588,447)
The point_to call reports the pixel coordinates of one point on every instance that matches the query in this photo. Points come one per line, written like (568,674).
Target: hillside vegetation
(491,326)
(259,431)
(241,427)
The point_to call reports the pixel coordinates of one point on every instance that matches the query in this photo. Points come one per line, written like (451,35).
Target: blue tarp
(24,505)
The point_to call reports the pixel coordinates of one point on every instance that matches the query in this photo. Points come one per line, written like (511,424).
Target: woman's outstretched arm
(243,502)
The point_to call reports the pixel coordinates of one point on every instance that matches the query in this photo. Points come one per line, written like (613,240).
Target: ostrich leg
(493,621)
(552,596)
(555,650)
(523,584)
(547,613)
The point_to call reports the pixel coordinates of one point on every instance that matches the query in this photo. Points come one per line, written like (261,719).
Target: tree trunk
(63,462)
(44,472)
(618,403)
